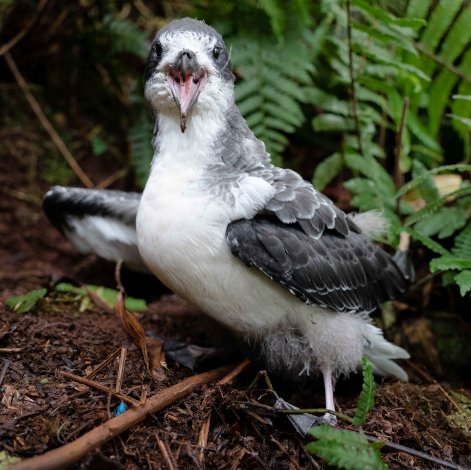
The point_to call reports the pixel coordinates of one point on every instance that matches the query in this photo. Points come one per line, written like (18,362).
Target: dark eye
(158,50)
(216,52)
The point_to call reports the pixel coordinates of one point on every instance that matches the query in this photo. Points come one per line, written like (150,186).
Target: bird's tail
(382,353)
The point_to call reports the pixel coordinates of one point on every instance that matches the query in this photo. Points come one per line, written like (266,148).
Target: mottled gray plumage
(295,200)
(345,274)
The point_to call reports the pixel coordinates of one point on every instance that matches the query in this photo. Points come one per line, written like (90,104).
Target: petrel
(252,245)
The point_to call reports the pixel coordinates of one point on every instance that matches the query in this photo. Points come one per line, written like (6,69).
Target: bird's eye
(216,52)
(158,49)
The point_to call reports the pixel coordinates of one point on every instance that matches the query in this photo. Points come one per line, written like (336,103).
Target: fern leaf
(366,402)
(443,223)
(449,262)
(438,24)
(125,36)
(275,13)
(345,449)
(460,167)
(332,123)
(458,37)
(418,8)
(327,170)
(463,279)
(462,246)
(427,241)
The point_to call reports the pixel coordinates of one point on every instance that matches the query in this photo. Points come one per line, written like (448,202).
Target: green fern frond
(463,279)
(345,449)
(366,402)
(418,8)
(275,78)
(427,241)
(449,262)
(458,167)
(125,36)
(327,170)
(462,246)
(276,14)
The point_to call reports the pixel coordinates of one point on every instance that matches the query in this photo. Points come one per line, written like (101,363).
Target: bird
(252,245)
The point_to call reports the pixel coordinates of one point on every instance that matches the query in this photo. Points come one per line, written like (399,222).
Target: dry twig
(122,362)
(21,34)
(166,454)
(74,451)
(101,387)
(53,134)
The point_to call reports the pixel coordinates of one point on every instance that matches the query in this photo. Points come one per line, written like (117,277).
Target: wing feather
(345,274)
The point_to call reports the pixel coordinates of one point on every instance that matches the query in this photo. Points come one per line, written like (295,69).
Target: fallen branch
(55,137)
(74,451)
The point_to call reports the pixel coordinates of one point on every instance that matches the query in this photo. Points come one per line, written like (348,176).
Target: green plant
(347,449)
(25,303)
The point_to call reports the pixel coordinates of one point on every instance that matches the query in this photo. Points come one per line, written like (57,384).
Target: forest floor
(215,426)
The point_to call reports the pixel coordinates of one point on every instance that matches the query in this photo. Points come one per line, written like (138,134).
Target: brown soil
(42,410)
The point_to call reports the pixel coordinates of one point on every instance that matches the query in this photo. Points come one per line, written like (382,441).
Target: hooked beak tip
(183,122)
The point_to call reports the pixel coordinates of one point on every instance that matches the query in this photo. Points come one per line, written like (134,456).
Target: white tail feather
(382,353)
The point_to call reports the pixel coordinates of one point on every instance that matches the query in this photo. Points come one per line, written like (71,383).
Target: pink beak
(186,85)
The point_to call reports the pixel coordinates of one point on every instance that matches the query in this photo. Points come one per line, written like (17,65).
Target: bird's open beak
(186,79)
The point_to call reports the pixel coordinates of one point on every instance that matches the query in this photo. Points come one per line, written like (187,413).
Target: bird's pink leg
(329,396)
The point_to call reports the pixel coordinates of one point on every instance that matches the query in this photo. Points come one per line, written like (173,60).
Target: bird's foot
(329,419)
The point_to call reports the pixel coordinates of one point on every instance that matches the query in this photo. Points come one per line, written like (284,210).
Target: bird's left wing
(345,274)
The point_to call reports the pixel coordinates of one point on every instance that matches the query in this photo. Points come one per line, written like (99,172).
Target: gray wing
(296,201)
(97,221)
(345,274)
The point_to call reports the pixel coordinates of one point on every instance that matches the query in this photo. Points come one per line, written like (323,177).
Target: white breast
(181,229)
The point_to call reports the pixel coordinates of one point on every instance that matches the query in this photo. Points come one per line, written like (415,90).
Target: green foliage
(25,303)
(345,449)
(275,77)
(107,295)
(366,402)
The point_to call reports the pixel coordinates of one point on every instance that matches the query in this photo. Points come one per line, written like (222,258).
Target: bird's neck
(198,145)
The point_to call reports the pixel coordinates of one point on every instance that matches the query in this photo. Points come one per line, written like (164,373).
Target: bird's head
(188,70)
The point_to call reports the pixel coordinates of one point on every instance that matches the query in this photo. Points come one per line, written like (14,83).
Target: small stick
(21,34)
(316,411)
(415,453)
(203,437)
(74,451)
(234,373)
(6,363)
(11,350)
(103,364)
(99,386)
(111,179)
(55,137)
(166,454)
(122,362)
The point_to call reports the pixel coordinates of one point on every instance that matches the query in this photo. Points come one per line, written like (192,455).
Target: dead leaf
(132,327)
(157,358)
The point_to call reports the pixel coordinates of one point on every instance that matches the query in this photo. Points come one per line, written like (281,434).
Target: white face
(188,73)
